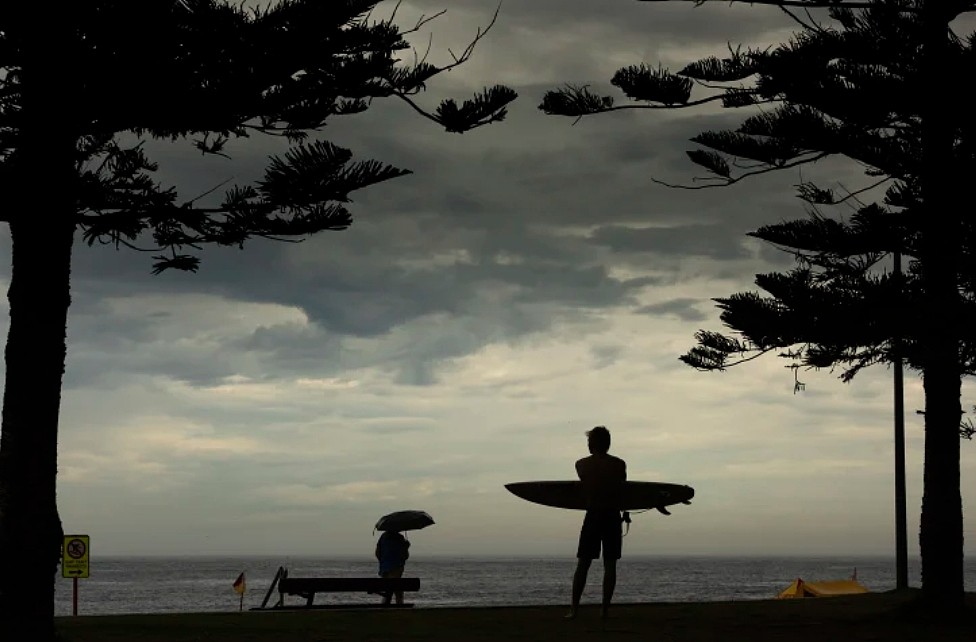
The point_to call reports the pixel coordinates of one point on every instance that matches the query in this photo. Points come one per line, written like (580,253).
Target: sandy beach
(876,616)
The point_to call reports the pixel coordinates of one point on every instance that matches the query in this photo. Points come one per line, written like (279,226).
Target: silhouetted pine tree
(866,82)
(80,86)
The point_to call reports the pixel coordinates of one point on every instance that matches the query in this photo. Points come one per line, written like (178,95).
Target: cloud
(689,240)
(683,308)
(780,468)
(529,280)
(349,492)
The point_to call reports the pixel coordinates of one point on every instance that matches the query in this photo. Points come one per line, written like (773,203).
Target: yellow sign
(74,556)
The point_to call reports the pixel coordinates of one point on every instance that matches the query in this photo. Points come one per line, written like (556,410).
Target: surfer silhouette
(602,476)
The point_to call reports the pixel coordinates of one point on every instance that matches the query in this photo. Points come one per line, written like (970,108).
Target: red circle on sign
(75,549)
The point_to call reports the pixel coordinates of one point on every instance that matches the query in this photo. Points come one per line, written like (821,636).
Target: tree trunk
(43,172)
(941,536)
(30,529)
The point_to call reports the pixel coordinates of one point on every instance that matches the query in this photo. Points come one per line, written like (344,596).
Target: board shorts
(600,530)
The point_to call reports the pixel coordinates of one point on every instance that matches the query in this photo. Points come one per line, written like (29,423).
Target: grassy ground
(888,617)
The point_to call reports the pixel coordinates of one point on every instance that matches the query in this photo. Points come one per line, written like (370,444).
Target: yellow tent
(830,588)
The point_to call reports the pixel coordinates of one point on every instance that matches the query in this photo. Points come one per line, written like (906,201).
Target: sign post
(74,563)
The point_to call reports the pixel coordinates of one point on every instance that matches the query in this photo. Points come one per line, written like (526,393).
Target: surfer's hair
(599,438)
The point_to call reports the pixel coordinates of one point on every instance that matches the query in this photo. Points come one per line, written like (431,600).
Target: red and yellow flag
(240,585)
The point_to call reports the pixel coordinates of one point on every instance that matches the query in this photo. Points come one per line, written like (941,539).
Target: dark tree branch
(488,108)
(953,8)
(423,20)
(815,196)
(726,181)
(604,110)
(809,4)
(795,18)
(854,195)
(747,359)
(468,50)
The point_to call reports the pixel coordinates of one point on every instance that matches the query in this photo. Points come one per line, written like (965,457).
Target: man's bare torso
(602,476)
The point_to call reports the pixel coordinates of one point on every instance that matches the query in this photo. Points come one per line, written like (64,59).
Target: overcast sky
(526,283)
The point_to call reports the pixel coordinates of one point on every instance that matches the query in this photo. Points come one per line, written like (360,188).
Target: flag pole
(240,586)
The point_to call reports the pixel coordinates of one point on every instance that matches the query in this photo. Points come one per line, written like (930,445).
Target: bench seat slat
(306,585)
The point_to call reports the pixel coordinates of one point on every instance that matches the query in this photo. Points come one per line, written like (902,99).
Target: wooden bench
(307,587)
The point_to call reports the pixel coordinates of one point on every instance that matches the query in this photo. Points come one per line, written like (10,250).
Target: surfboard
(637,495)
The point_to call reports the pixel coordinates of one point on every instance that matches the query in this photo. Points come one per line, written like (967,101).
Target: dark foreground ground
(885,617)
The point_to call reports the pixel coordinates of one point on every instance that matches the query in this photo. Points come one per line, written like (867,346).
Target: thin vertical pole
(901,515)
(74,596)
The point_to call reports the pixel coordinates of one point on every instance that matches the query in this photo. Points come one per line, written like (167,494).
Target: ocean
(197,584)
